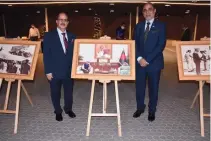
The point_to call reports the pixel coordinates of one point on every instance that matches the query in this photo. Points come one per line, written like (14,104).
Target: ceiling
(105,9)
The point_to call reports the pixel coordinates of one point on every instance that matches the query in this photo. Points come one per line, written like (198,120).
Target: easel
(16,112)
(90,115)
(201,104)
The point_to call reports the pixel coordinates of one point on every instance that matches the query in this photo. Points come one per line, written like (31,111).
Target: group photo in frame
(193,59)
(18,59)
(104,59)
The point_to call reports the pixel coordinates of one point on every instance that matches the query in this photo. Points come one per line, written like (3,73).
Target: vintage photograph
(196,59)
(193,60)
(16,59)
(109,58)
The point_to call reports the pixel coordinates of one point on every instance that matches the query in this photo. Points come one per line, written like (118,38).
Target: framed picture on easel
(18,59)
(104,59)
(193,59)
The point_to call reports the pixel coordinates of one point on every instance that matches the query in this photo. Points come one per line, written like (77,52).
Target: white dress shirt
(61,38)
(150,25)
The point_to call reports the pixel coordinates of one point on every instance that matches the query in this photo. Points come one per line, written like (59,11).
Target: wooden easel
(201,105)
(105,82)
(16,112)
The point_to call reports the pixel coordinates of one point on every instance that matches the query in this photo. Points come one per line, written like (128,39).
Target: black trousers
(34,38)
(55,86)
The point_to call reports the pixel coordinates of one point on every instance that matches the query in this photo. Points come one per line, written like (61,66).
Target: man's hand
(49,76)
(143,62)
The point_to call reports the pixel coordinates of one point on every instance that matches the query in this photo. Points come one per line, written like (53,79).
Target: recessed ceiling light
(167,5)
(111,4)
(90,8)
(38,11)
(10,5)
(76,11)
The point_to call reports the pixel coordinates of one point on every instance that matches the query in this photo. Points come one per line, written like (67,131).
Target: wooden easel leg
(104,97)
(196,96)
(90,108)
(201,108)
(17,106)
(1,79)
(7,95)
(26,93)
(118,109)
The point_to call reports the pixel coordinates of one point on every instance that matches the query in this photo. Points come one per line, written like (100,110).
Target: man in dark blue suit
(58,53)
(150,40)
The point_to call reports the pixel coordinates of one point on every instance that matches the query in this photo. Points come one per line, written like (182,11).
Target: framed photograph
(193,59)
(104,59)
(18,59)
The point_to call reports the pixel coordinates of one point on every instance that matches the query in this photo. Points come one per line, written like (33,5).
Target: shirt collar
(151,21)
(60,32)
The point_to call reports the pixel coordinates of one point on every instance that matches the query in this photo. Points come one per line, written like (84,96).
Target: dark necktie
(65,41)
(146,31)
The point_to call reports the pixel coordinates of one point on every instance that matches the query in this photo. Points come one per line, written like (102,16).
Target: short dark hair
(62,13)
(149,4)
(122,23)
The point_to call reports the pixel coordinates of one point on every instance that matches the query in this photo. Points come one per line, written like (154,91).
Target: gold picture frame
(18,59)
(193,60)
(89,64)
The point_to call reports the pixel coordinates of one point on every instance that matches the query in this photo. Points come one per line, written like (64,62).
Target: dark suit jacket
(120,33)
(55,60)
(186,36)
(196,58)
(152,49)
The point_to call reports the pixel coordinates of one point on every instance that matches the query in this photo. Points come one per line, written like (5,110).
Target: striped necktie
(146,32)
(65,41)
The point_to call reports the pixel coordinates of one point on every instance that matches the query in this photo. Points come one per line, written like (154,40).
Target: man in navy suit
(150,40)
(58,53)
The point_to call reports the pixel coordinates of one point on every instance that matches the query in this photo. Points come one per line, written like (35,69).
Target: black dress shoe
(71,114)
(59,117)
(151,117)
(138,113)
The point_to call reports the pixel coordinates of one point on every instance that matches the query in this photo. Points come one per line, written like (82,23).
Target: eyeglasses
(63,20)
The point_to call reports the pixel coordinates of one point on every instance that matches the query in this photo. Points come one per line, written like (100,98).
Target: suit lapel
(152,27)
(59,41)
(70,42)
(143,28)
(150,30)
